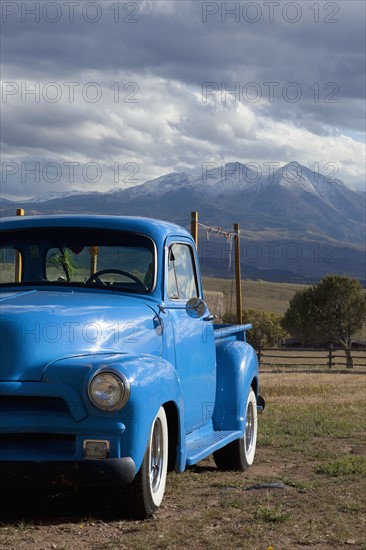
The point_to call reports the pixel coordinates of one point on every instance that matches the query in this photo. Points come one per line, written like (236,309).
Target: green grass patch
(292,422)
(301,486)
(344,466)
(270,514)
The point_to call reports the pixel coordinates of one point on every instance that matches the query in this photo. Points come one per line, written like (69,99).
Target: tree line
(329,313)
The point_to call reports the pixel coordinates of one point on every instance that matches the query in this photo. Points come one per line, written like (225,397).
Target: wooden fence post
(93,251)
(18,258)
(330,356)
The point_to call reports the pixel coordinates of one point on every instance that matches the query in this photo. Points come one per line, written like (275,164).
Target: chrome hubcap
(156,456)
(249,428)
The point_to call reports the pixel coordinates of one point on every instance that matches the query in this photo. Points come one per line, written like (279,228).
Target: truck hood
(38,327)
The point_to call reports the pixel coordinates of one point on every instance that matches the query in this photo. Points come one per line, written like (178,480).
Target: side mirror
(196,308)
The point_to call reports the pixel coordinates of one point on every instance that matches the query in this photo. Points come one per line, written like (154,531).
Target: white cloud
(131,96)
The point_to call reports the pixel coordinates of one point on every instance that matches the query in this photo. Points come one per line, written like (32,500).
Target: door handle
(210,317)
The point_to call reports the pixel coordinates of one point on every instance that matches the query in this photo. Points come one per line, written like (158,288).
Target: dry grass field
(306,489)
(261,295)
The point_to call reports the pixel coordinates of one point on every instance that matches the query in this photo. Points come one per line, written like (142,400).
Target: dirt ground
(74,522)
(77,523)
(282,502)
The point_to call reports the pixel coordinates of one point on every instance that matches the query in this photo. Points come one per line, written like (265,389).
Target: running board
(199,446)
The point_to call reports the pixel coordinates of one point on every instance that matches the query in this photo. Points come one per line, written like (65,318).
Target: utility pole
(239,301)
(194,227)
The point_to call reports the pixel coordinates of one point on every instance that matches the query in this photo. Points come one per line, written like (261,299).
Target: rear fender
(237,372)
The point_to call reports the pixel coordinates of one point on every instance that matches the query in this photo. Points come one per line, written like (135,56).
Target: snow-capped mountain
(292,204)
(58,195)
(293,198)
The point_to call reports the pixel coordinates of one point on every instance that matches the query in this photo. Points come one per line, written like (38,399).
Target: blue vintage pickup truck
(112,371)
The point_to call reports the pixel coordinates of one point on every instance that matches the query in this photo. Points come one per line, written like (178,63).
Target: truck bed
(230,332)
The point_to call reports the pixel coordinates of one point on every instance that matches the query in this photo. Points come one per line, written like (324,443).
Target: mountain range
(296,224)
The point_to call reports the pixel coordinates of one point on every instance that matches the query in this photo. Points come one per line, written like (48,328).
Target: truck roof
(155,228)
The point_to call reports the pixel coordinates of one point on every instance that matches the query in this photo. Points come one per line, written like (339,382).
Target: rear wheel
(239,454)
(146,492)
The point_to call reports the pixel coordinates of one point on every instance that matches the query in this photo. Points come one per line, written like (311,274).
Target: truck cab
(112,369)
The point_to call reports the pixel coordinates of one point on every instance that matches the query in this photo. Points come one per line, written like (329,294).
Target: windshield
(112,260)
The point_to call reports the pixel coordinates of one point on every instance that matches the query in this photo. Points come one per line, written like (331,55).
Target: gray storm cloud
(166,86)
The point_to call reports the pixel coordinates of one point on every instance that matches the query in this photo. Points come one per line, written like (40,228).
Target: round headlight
(109,391)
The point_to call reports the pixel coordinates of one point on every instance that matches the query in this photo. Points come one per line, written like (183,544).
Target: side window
(182,280)
(8,265)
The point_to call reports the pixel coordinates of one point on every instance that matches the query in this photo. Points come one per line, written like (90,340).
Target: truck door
(194,338)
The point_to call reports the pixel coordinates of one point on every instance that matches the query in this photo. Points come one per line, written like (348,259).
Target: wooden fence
(309,357)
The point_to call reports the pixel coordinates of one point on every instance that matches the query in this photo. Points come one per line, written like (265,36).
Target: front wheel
(239,454)
(146,492)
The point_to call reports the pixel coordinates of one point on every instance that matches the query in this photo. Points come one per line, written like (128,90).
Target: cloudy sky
(107,94)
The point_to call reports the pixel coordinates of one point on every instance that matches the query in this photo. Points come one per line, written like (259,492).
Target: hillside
(296,224)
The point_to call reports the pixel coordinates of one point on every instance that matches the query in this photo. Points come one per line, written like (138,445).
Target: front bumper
(66,474)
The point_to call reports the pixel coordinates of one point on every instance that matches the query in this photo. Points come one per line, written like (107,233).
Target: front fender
(153,382)
(237,370)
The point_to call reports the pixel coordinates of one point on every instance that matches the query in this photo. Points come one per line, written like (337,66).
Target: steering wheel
(96,277)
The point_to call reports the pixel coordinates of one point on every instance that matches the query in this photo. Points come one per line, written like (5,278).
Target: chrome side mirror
(196,308)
